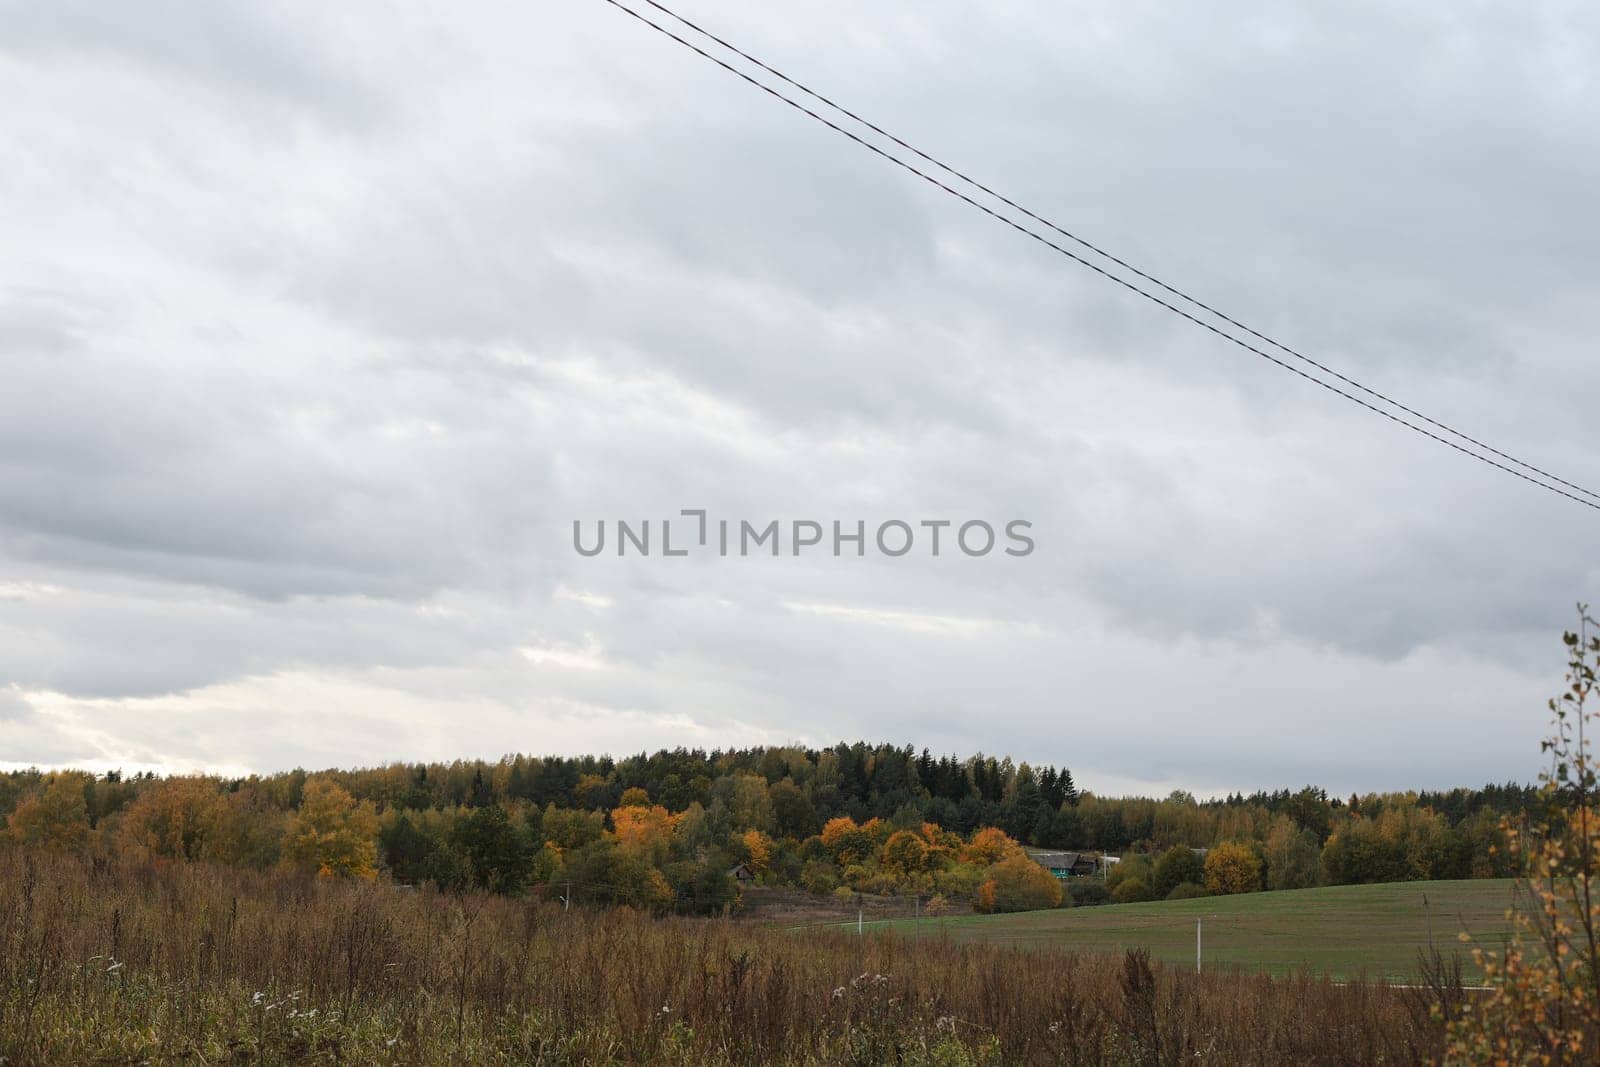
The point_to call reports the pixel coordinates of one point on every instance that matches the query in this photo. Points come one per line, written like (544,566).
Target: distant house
(741,873)
(1066,865)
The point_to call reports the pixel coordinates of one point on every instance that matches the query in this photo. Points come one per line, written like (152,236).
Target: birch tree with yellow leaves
(1544,1002)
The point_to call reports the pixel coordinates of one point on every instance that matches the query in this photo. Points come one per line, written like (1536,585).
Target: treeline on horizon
(664,830)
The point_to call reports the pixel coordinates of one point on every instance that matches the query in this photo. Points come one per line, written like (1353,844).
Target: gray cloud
(234,49)
(325,326)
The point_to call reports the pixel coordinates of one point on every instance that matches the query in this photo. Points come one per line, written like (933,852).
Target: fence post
(861,940)
(1197,923)
(916,952)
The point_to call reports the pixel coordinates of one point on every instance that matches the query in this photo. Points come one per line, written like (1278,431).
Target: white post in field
(1197,946)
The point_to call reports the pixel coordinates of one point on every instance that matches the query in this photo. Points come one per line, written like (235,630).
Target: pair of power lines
(1008,212)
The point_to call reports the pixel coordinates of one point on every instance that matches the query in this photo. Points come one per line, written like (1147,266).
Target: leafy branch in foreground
(1544,1004)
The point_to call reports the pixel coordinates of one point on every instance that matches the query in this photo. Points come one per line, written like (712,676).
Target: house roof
(1060,860)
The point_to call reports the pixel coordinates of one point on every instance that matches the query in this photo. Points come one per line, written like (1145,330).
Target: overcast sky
(320,324)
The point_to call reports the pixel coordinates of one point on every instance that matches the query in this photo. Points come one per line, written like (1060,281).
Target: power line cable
(1082,242)
(1127,284)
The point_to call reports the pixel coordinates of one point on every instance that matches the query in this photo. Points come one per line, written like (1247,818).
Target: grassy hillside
(1342,931)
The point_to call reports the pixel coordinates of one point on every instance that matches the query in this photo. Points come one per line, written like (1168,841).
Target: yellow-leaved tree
(56,816)
(759,848)
(331,833)
(172,819)
(1543,1006)
(1017,883)
(1232,867)
(904,854)
(845,841)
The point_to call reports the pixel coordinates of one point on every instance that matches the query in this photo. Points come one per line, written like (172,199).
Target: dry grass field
(103,959)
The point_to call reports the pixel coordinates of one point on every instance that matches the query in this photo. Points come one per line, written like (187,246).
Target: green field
(1343,931)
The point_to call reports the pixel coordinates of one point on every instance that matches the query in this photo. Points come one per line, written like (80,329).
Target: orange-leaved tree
(647,829)
(989,845)
(1544,1002)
